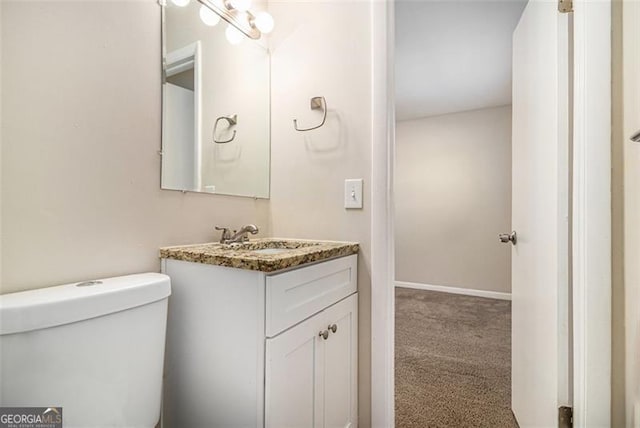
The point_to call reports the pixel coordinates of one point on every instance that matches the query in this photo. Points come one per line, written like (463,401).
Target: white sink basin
(271,251)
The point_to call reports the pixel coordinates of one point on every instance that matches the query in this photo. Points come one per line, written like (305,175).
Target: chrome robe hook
(317,103)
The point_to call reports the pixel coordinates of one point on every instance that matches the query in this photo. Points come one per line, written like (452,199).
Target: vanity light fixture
(208,16)
(264,22)
(238,15)
(239,5)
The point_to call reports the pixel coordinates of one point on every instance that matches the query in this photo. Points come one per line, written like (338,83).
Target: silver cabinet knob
(333,328)
(324,334)
(509,237)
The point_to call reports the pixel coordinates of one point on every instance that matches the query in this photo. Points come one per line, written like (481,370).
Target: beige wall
(631,90)
(321,48)
(453,198)
(81,191)
(625,215)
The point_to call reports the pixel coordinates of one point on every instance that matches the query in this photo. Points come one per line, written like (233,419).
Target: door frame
(591,203)
(591,254)
(382,216)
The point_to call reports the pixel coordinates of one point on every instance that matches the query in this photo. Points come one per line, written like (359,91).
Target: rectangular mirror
(215,105)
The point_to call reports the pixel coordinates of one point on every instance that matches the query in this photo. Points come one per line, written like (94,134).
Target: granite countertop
(244,256)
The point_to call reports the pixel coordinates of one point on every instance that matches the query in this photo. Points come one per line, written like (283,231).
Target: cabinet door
(312,381)
(293,374)
(340,365)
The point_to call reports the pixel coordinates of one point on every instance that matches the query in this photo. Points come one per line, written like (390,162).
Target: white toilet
(95,349)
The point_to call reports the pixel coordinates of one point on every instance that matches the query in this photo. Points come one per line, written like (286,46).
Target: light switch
(353,193)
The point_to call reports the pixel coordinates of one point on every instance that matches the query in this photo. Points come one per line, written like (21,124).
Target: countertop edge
(267,265)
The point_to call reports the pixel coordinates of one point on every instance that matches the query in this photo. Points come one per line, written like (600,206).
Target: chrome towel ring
(317,103)
(233,120)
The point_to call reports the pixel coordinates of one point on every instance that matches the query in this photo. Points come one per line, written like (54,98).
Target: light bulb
(264,22)
(181,3)
(208,16)
(234,36)
(240,5)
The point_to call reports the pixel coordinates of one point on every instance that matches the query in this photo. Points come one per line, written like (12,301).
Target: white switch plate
(353,193)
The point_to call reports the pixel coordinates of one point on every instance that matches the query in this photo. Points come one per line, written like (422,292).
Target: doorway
(181,98)
(470,167)
(591,240)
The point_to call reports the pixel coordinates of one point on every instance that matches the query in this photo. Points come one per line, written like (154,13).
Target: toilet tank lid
(64,304)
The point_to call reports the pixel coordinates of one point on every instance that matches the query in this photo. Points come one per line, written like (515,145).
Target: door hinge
(565,417)
(565,6)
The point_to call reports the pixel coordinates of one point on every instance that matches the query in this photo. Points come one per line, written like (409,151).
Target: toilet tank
(95,349)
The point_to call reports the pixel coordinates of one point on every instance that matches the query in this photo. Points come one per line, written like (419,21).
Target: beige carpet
(453,361)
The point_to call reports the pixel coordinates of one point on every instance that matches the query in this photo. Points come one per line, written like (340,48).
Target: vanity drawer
(296,295)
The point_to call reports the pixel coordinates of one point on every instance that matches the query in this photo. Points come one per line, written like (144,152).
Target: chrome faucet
(241,235)
(238,236)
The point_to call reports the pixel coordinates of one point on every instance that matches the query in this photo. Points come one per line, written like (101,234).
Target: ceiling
(453,55)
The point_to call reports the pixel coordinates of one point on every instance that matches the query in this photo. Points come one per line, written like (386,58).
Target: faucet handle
(226,234)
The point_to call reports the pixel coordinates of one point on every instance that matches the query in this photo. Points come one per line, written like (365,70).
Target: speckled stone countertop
(244,256)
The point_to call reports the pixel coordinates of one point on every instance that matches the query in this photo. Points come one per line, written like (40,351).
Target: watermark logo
(30,417)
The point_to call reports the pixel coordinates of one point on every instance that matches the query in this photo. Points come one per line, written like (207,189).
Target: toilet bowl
(96,349)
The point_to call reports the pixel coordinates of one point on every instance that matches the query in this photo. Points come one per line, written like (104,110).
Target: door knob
(509,237)
(324,334)
(333,328)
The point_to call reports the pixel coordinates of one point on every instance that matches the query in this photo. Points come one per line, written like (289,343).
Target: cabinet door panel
(340,351)
(293,377)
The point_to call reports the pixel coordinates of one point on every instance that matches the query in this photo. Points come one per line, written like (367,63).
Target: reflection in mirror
(181,142)
(215,133)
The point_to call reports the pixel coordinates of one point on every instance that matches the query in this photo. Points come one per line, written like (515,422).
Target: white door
(340,378)
(540,341)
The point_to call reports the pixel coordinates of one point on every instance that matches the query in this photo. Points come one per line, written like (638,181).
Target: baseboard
(455,290)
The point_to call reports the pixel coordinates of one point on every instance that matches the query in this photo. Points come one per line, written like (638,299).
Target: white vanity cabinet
(254,349)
